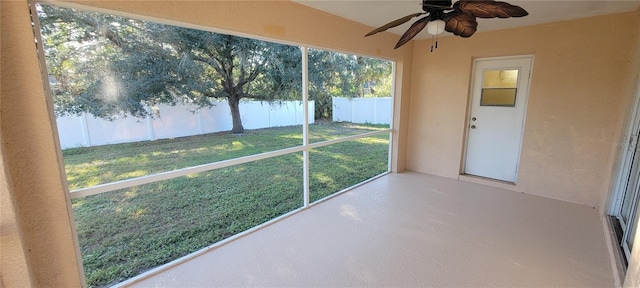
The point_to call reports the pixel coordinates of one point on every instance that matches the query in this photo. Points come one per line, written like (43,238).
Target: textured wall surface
(575,98)
(13,263)
(32,160)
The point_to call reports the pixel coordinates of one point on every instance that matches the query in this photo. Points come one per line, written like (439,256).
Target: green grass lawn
(126,232)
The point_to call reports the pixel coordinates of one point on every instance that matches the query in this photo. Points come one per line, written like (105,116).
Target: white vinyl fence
(177,121)
(362,110)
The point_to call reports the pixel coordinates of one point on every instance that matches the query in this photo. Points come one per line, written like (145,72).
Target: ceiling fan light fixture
(435,27)
(459,18)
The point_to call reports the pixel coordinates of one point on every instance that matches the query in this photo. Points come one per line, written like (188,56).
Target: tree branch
(254,74)
(209,62)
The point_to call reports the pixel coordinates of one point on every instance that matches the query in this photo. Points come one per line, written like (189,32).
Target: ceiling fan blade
(490,9)
(460,24)
(394,23)
(413,31)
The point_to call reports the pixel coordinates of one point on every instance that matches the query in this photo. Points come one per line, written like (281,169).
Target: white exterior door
(496,119)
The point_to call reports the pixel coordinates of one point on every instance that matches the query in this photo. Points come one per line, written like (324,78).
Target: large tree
(111,66)
(235,68)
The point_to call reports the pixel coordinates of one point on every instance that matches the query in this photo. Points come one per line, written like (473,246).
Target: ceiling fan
(459,18)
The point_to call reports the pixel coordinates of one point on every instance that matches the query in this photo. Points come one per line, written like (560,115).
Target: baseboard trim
(488,181)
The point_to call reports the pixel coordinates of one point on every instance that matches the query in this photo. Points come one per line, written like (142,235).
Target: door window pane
(498,97)
(499,88)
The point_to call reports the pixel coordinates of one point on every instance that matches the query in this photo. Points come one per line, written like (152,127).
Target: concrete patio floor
(412,229)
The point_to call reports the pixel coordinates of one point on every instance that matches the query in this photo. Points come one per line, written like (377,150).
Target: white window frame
(631,141)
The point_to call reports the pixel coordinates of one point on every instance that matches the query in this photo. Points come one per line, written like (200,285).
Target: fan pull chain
(432,44)
(436,42)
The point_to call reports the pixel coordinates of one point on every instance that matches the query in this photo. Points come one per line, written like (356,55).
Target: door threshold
(488,181)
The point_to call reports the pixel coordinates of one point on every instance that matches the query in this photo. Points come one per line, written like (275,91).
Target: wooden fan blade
(413,31)
(460,24)
(394,23)
(490,9)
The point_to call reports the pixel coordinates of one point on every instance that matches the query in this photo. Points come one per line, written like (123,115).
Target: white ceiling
(376,13)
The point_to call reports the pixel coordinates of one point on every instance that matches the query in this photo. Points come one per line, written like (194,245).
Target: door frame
(465,139)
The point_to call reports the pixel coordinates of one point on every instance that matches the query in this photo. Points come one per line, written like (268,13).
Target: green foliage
(345,75)
(95,66)
(126,232)
(112,66)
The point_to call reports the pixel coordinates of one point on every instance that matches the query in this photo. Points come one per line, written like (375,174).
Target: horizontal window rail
(107,187)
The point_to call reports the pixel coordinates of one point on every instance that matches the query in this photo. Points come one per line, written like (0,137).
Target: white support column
(305,123)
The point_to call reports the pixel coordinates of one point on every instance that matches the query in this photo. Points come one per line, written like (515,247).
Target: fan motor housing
(437,3)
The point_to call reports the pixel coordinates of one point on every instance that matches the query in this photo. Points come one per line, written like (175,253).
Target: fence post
(85,130)
(353,112)
(200,131)
(269,115)
(375,110)
(150,128)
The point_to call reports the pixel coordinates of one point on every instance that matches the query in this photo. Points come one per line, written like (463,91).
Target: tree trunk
(235,115)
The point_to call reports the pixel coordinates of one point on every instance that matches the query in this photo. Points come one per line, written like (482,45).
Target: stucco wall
(13,262)
(31,158)
(576,92)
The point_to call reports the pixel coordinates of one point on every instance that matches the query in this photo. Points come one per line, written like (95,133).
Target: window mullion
(305,123)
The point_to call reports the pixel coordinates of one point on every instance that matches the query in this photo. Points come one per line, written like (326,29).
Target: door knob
(473,118)
(473,126)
